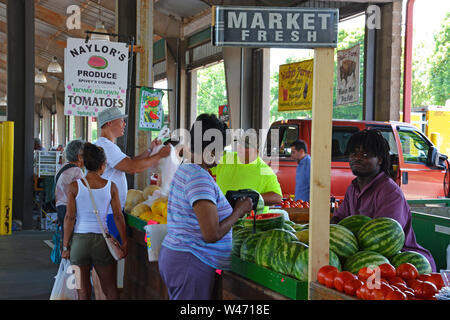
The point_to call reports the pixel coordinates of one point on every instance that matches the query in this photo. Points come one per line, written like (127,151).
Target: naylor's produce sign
(274,27)
(95,76)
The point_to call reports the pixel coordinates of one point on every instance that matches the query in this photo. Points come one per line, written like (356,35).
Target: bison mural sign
(347,89)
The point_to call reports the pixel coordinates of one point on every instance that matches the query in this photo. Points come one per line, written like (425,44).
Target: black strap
(64,168)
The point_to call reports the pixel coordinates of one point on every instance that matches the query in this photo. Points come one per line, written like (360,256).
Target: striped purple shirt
(382,197)
(191,183)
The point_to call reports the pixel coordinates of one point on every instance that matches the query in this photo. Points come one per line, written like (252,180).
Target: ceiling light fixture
(40,77)
(54,66)
(100,27)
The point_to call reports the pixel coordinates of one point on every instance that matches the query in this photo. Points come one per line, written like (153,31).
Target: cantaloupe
(134,197)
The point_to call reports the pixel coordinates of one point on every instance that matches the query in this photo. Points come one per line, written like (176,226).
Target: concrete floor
(26,271)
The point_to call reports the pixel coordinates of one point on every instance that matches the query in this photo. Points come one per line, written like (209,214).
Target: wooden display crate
(299,215)
(321,292)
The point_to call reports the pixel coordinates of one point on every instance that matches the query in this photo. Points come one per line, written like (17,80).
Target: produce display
(384,282)
(141,205)
(418,260)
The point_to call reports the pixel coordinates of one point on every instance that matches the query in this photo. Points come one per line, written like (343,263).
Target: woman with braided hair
(373,193)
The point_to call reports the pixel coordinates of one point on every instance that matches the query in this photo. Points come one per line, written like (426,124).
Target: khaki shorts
(89,249)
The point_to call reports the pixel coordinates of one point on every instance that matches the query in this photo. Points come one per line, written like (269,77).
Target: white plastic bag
(167,166)
(64,287)
(155,234)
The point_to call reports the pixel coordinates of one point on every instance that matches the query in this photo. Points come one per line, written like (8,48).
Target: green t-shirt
(231,174)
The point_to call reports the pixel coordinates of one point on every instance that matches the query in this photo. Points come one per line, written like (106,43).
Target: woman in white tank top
(83,241)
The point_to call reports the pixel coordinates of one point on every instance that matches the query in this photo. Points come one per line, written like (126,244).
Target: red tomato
(396,280)
(407,271)
(342,277)
(351,286)
(364,292)
(322,271)
(400,286)
(396,295)
(387,270)
(423,277)
(436,279)
(414,284)
(427,290)
(376,294)
(410,295)
(329,279)
(365,273)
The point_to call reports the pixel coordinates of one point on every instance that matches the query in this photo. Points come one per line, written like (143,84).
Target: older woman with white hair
(68,173)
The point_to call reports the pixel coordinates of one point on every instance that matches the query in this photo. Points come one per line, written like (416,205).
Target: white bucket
(155,234)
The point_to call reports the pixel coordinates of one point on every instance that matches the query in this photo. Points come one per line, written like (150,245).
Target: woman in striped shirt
(199,218)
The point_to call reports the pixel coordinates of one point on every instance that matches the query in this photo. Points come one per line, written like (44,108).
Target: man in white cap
(112,124)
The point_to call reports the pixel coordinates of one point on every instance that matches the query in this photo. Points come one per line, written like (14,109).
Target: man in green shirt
(244,169)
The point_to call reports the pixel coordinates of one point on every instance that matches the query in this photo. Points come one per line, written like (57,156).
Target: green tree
(440,65)
(211,89)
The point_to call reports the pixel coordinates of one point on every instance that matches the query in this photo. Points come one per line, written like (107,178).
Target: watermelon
(288,228)
(300,269)
(269,243)
(383,235)
(342,241)
(238,237)
(364,259)
(298,227)
(97,62)
(265,221)
(355,222)
(289,222)
(286,255)
(248,247)
(417,259)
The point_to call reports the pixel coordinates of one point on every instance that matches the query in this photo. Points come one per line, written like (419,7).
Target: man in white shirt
(112,124)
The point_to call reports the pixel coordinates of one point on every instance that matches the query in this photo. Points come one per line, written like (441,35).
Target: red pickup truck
(418,168)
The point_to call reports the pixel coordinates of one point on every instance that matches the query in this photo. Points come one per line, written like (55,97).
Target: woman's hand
(124,247)
(243,205)
(65,254)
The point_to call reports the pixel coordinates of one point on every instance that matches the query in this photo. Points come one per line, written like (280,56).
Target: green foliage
(440,65)
(211,89)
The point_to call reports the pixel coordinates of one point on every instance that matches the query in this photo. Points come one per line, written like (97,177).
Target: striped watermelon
(383,235)
(238,237)
(298,227)
(355,222)
(342,241)
(248,247)
(417,259)
(300,270)
(269,243)
(364,259)
(288,228)
(286,255)
(265,221)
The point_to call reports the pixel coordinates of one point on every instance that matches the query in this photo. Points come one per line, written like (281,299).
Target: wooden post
(322,112)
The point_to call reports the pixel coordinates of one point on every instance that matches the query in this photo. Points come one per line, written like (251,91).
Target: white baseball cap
(109,114)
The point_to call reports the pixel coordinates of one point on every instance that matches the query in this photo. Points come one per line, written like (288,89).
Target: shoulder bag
(113,245)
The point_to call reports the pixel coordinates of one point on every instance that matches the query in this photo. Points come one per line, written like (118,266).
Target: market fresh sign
(275,27)
(95,76)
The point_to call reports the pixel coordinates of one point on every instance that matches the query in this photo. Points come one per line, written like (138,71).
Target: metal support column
(20,17)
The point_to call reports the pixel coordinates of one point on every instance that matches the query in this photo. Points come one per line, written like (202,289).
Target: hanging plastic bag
(167,166)
(65,286)
(55,256)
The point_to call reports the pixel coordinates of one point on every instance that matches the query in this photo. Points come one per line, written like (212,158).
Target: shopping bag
(55,256)
(155,234)
(168,166)
(65,286)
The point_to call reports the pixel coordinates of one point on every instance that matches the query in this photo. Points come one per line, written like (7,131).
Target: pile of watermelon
(384,282)
(356,242)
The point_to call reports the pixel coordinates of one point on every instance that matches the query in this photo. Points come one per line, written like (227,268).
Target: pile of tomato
(403,283)
(290,203)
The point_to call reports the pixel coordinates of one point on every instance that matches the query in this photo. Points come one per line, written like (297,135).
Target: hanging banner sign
(151,113)
(273,27)
(95,76)
(295,87)
(347,89)
(224,114)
